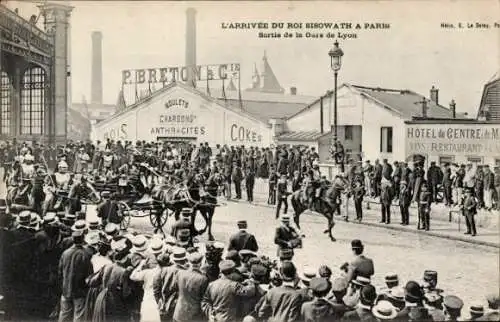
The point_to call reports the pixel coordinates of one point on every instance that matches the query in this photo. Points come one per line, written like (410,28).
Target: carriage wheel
(158,219)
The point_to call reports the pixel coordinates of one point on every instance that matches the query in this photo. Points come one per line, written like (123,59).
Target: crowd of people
(67,267)
(77,270)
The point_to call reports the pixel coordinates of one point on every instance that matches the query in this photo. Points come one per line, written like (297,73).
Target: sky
(415,53)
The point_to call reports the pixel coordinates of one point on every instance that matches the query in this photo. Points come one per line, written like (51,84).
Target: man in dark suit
(361,265)
(286,237)
(243,239)
(283,303)
(404,202)
(249,183)
(447,185)
(319,309)
(237,177)
(282,195)
(191,284)
(221,301)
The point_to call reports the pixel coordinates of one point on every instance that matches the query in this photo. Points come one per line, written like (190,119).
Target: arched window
(33,101)
(5,103)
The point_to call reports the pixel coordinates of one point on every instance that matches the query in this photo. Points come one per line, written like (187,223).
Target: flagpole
(239,89)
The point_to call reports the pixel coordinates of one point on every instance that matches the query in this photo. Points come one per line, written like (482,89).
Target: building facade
(35,75)
(179,112)
(371,120)
(454,141)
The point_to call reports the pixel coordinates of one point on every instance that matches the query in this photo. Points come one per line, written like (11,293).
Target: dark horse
(327,204)
(199,197)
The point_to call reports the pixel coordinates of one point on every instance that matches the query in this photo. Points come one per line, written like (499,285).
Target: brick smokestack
(435,95)
(453,108)
(191,46)
(96,85)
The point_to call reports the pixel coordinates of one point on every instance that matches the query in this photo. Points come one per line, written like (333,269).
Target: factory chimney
(453,109)
(96,85)
(435,95)
(191,46)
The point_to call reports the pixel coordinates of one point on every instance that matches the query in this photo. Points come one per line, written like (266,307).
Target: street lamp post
(335,63)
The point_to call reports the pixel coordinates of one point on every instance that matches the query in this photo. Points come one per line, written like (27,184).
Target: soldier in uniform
(432,295)
(424,207)
(361,265)
(273,179)
(184,223)
(469,209)
(243,239)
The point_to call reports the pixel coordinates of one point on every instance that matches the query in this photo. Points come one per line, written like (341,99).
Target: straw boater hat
(308,274)
(93,238)
(179,255)
(384,310)
(24,218)
(93,224)
(139,244)
(156,246)
(50,218)
(79,225)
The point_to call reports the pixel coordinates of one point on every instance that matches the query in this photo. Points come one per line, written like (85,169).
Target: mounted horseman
(57,183)
(327,203)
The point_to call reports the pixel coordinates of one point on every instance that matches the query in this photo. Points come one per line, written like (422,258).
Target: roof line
(483,97)
(185,87)
(381,89)
(390,108)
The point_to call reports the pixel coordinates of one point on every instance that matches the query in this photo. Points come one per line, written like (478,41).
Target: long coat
(111,303)
(243,240)
(222,299)
(192,285)
(282,303)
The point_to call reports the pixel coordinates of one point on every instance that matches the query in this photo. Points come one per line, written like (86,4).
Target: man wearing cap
(432,295)
(74,267)
(108,210)
(258,274)
(242,239)
(319,309)
(165,286)
(452,307)
(283,303)
(361,265)
(424,207)
(184,223)
(222,299)
(338,293)
(404,202)
(492,313)
(363,310)
(286,237)
(391,281)
(413,298)
(469,208)
(191,284)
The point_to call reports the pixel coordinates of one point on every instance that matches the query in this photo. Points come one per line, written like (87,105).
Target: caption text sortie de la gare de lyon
(342,30)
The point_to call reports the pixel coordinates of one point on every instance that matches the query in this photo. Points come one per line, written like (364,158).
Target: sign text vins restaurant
(462,141)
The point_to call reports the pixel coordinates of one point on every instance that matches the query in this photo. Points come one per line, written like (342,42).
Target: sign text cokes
(242,134)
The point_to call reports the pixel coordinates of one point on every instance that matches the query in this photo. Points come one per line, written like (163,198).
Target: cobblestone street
(466,270)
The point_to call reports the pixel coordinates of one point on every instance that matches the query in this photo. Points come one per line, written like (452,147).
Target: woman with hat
(145,273)
(111,303)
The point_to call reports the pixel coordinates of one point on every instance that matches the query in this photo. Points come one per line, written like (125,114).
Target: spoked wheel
(124,211)
(158,219)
